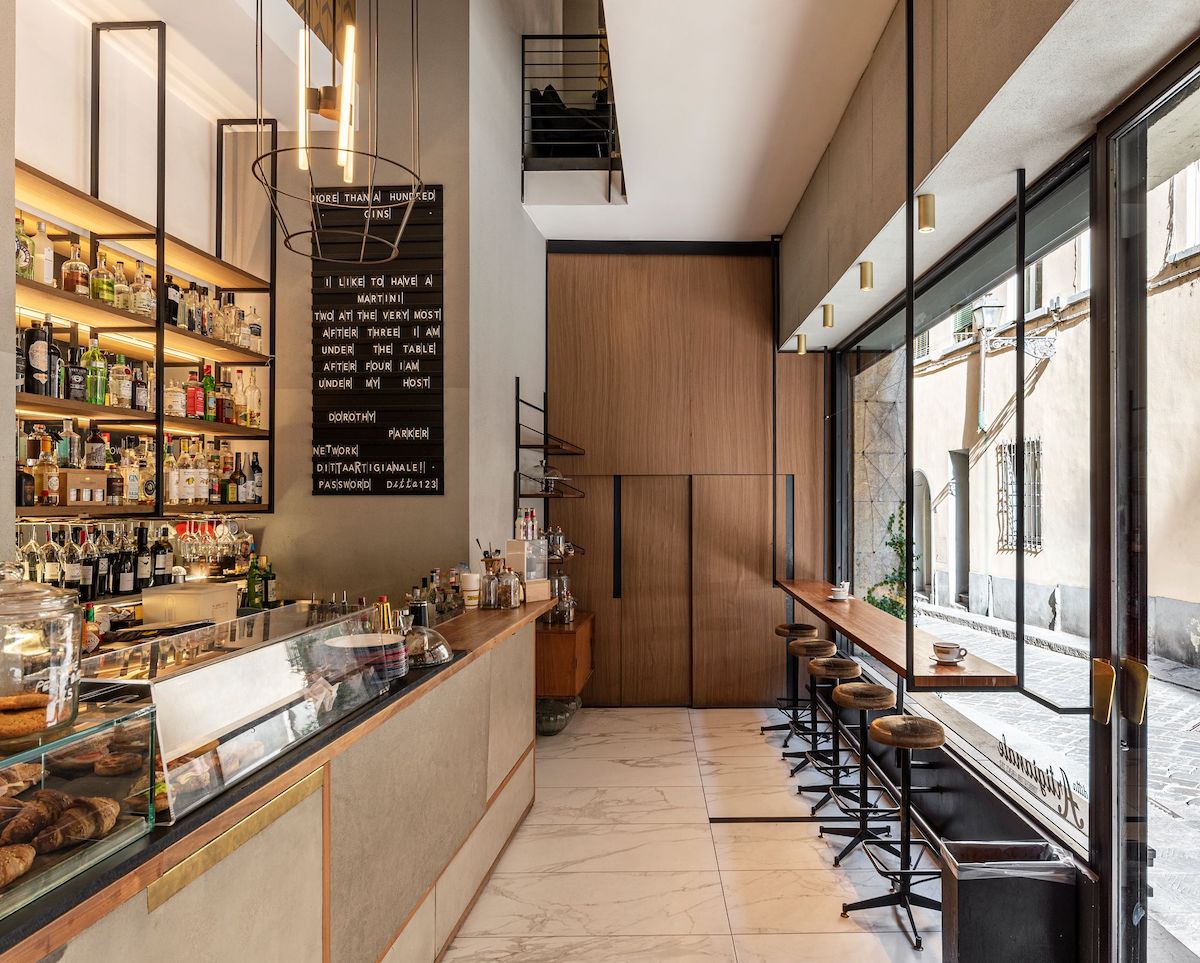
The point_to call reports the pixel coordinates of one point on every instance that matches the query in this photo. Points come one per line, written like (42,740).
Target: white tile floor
(618,860)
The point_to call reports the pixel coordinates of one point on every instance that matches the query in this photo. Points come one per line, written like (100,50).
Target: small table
(883,636)
(564,657)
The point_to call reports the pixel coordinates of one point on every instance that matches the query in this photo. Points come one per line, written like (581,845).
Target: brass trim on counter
(188,870)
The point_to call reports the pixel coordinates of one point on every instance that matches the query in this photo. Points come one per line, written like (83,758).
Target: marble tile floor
(618,860)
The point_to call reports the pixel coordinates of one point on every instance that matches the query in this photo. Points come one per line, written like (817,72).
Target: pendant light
(866,275)
(304,213)
(827,315)
(926,219)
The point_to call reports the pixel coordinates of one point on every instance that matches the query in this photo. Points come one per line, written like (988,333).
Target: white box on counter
(528,557)
(186,601)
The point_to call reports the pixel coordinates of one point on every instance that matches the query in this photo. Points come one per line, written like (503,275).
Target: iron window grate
(1006,495)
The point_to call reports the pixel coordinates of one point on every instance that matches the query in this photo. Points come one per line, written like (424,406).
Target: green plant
(888,594)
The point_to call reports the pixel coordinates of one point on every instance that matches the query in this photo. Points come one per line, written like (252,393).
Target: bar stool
(833,669)
(864,697)
(809,729)
(905,733)
(791,704)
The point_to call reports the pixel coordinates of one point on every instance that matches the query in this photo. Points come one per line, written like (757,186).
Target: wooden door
(588,521)
(656,631)
(736,658)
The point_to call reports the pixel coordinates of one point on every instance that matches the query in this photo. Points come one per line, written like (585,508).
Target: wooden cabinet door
(656,631)
(736,658)
(588,521)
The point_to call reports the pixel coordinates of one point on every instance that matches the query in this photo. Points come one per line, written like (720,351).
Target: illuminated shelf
(215,509)
(38,406)
(214,429)
(69,513)
(57,199)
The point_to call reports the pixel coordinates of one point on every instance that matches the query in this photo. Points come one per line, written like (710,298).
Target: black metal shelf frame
(550,444)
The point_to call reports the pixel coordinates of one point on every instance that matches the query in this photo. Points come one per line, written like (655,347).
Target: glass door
(1154,162)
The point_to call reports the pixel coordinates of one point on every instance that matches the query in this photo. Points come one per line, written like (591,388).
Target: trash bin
(1008,901)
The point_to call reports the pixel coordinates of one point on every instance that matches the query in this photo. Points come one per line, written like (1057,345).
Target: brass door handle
(1135,687)
(1104,685)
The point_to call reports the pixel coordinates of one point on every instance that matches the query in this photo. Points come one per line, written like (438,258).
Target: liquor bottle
(237,489)
(253,403)
(31,558)
(106,554)
(239,400)
(243,330)
(254,599)
(95,449)
(122,293)
(173,299)
(120,383)
(114,485)
(269,594)
(97,373)
(51,560)
(225,403)
(25,251)
(163,557)
(125,575)
(175,400)
(170,474)
(144,300)
(194,394)
(146,456)
(75,274)
(256,480)
(216,487)
(187,478)
(88,559)
(254,324)
(54,361)
(100,282)
(20,353)
(70,446)
(43,252)
(210,394)
(141,390)
(199,475)
(75,376)
(37,361)
(131,477)
(144,565)
(71,568)
(45,474)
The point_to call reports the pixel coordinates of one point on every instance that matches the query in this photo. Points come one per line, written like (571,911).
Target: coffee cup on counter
(949,652)
(470,582)
(841,590)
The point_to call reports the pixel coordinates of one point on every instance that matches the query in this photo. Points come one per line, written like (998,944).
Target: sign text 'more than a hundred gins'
(378,356)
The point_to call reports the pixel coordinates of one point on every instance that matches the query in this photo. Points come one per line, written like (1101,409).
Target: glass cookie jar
(40,634)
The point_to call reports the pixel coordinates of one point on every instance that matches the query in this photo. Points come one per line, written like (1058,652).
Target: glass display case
(231,697)
(71,801)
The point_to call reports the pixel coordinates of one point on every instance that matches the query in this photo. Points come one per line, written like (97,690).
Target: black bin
(1008,901)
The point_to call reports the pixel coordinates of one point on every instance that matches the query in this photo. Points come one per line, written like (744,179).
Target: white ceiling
(724,111)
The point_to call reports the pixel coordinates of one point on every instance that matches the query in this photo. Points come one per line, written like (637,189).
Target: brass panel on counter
(200,862)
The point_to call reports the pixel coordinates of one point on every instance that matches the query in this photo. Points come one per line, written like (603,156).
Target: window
(1006,495)
(921,346)
(964,324)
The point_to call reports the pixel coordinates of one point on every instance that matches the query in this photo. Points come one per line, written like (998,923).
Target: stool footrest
(904,878)
(847,800)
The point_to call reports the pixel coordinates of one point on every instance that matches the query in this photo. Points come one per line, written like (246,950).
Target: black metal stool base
(902,880)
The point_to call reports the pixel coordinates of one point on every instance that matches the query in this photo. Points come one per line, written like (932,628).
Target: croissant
(88,818)
(34,817)
(14,862)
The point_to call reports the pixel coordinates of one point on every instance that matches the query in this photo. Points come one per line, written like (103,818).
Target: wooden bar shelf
(213,429)
(70,513)
(30,406)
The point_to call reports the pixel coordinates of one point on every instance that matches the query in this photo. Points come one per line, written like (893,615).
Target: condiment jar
(489,591)
(509,590)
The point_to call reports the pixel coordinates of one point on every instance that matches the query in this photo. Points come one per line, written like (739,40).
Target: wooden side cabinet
(564,657)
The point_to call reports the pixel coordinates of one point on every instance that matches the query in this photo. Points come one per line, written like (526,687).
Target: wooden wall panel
(660,364)
(656,596)
(800,451)
(588,521)
(736,658)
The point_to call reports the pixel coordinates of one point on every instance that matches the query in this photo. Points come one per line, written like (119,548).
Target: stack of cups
(470,589)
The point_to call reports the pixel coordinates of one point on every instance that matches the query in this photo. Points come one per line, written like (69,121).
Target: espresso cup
(949,652)
(841,590)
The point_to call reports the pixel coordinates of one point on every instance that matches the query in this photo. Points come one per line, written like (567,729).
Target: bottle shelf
(215,509)
(61,201)
(72,512)
(213,429)
(41,406)
(130,334)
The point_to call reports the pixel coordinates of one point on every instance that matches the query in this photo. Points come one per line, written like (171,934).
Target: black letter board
(378,413)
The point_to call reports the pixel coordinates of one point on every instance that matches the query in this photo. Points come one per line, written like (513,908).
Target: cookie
(24,700)
(118,764)
(22,722)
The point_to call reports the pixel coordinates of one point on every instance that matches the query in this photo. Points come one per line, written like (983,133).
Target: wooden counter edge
(90,911)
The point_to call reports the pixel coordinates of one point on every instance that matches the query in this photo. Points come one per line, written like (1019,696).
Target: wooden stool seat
(908,732)
(864,696)
(834,668)
(812,648)
(796,630)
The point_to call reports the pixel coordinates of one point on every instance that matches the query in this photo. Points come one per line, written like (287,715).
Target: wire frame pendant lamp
(354,221)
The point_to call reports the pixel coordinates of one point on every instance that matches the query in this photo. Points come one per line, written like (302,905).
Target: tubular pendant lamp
(866,275)
(926,218)
(346,98)
(801,344)
(827,315)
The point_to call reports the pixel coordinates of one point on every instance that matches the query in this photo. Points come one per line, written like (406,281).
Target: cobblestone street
(1173,715)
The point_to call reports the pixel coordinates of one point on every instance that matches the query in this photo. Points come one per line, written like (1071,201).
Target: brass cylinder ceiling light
(866,275)
(827,315)
(801,344)
(926,217)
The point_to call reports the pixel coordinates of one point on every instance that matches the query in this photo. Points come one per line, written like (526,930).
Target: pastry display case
(71,801)
(231,697)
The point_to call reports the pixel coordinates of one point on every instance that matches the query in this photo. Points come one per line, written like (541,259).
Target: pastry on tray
(131,737)
(76,762)
(15,862)
(89,817)
(24,700)
(138,799)
(118,764)
(15,723)
(21,776)
(34,816)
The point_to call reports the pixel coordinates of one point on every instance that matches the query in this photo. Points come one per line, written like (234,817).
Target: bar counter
(369,841)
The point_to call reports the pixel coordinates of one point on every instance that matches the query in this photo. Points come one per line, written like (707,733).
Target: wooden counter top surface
(882,635)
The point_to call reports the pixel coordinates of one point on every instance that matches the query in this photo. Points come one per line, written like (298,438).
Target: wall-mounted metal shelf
(549,444)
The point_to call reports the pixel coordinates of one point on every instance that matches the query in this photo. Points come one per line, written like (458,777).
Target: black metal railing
(568,118)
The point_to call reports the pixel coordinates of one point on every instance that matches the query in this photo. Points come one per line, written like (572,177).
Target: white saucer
(838,598)
(936,661)
(369,640)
